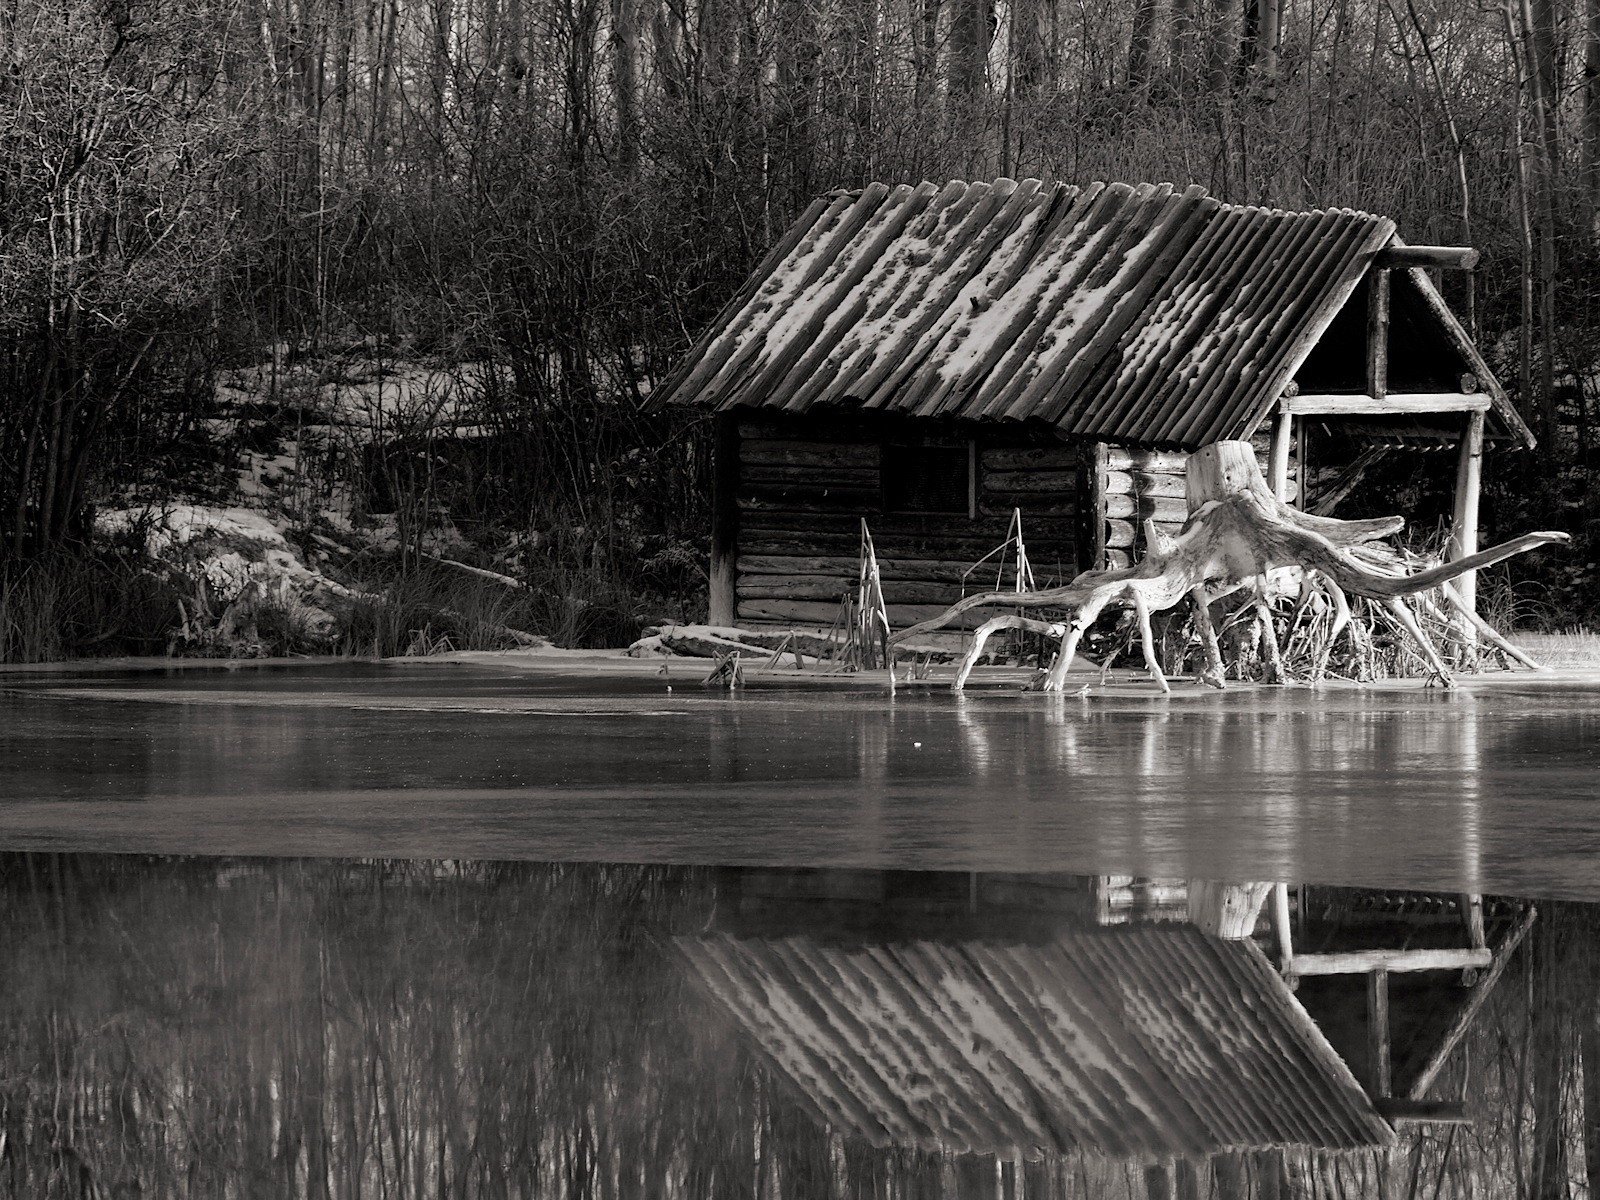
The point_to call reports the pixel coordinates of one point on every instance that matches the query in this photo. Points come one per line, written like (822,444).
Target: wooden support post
(1093,522)
(1378,332)
(1472,916)
(1282,440)
(1379,1081)
(1185,1180)
(1280,925)
(721,601)
(1464,523)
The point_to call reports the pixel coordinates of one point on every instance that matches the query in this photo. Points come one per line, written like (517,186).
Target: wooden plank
(1446,258)
(784,452)
(1378,332)
(833,588)
(816,614)
(1358,962)
(1030,458)
(1378,1056)
(928,569)
(1150,484)
(852,500)
(724,522)
(1159,508)
(1464,520)
(767,476)
(1002,504)
(1031,482)
(1394,405)
(1475,1002)
(1121,458)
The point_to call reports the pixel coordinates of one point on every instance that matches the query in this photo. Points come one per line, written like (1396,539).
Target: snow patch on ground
(238,558)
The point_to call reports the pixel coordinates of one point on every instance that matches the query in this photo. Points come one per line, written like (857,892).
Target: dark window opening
(927,479)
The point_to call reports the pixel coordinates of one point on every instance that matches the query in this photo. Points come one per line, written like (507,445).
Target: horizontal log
(1117,483)
(856,501)
(1030,458)
(757,476)
(1118,559)
(1120,534)
(885,525)
(1120,458)
(819,615)
(1449,258)
(823,587)
(779,452)
(845,567)
(1422,1112)
(1150,484)
(944,547)
(1357,962)
(1392,405)
(1161,508)
(1003,504)
(1030,482)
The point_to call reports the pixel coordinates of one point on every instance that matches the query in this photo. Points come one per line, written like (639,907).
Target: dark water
(428,932)
(1488,787)
(205,1027)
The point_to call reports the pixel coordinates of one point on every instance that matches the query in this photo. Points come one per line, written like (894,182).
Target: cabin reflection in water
(338,1028)
(1014,1022)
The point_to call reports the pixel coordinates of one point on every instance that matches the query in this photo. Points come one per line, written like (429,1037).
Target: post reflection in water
(343,1028)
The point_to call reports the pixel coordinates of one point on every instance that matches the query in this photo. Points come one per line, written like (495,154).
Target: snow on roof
(1134,1042)
(1145,314)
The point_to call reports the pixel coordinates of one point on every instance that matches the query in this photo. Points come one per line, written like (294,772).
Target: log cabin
(934,359)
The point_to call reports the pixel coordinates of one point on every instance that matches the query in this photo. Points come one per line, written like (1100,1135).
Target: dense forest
(212,212)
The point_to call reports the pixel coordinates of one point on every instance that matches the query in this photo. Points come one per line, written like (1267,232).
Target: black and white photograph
(799,599)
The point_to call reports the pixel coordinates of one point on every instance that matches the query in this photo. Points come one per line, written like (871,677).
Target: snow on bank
(241,556)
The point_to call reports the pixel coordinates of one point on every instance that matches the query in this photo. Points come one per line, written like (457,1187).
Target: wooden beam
(1398,1111)
(1464,521)
(1287,963)
(1403,404)
(721,601)
(1475,1002)
(1282,440)
(1378,332)
(1358,962)
(1378,1056)
(1448,258)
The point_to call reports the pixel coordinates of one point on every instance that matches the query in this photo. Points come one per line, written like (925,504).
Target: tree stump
(1238,532)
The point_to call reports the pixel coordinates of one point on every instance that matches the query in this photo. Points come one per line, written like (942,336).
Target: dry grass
(1574,650)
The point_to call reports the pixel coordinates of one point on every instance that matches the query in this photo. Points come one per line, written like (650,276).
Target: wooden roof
(1136,1042)
(1139,314)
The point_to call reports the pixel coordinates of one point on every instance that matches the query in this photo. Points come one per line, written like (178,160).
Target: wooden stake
(1280,926)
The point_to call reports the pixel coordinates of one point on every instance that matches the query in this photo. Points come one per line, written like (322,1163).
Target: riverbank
(1568,658)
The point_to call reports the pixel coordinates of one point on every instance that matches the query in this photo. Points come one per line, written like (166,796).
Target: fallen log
(1237,532)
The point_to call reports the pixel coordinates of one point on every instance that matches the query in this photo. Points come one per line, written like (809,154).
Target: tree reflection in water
(332,1028)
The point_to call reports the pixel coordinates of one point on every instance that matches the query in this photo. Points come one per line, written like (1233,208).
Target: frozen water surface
(1489,787)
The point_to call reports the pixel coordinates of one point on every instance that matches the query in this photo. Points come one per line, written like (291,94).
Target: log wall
(1138,485)
(804,484)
